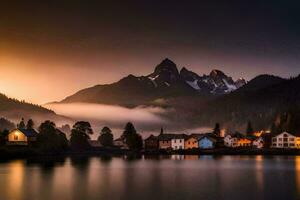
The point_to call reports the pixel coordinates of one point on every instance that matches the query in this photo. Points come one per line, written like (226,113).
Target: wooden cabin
(21,137)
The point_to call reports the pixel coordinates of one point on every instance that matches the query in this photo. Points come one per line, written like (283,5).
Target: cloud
(110,114)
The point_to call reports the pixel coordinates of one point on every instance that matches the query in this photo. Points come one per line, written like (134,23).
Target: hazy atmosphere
(149,99)
(49,50)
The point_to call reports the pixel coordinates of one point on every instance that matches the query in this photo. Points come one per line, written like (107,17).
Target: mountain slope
(260,101)
(164,83)
(15,110)
(198,101)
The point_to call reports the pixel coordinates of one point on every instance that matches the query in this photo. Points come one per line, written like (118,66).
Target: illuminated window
(15,137)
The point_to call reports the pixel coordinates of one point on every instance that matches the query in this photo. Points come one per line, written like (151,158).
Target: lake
(173,177)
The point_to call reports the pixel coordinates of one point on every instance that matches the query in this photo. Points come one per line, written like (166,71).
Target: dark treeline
(52,139)
(262,105)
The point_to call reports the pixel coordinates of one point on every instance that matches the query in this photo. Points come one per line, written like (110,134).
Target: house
(164,140)
(120,142)
(237,140)
(244,142)
(191,141)
(21,137)
(258,143)
(177,142)
(152,143)
(207,142)
(230,141)
(285,140)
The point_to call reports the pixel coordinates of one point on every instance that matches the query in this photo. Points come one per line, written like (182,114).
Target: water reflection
(259,174)
(159,177)
(15,179)
(297,169)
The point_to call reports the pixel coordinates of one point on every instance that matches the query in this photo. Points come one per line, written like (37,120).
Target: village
(212,141)
(27,136)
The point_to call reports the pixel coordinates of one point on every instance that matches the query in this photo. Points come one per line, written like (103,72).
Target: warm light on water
(175,177)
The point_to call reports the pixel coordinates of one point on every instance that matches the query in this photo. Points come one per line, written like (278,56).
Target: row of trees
(52,139)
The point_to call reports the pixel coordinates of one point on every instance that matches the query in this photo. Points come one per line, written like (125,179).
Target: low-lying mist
(110,114)
(147,120)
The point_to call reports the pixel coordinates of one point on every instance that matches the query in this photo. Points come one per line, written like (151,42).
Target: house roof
(152,137)
(180,136)
(196,136)
(289,134)
(208,137)
(165,136)
(28,132)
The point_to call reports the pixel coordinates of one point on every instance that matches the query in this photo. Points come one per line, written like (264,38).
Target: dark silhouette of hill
(261,100)
(14,110)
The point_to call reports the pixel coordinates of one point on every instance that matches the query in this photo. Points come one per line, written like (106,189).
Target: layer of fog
(110,114)
(147,120)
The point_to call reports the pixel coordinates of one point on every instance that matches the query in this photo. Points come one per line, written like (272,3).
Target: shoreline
(24,153)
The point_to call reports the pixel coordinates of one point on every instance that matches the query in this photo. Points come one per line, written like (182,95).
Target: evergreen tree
(106,137)
(129,130)
(3,137)
(6,124)
(217,130)
(22,125)
(249,130)
(161,131)
(30,124)
(132,138)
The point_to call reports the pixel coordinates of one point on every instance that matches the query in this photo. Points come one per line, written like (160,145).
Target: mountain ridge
(166,81)
(200,100)
(14,110)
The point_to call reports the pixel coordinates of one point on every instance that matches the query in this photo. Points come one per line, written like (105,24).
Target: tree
(161,131)
(62,139)
(249,130)
(132,138)
(51,139)
(217,130)
(30,124)
(80,134)
(6,124)
(3,137)
(21,125)
(129,130)
(106,137)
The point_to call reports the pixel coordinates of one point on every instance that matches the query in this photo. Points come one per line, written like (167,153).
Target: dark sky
(76,44)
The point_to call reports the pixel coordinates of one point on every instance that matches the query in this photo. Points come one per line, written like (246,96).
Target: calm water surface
(176,177)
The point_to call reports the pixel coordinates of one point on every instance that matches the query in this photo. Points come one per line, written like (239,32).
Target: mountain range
(165,82)
(197,100)
(190,100)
